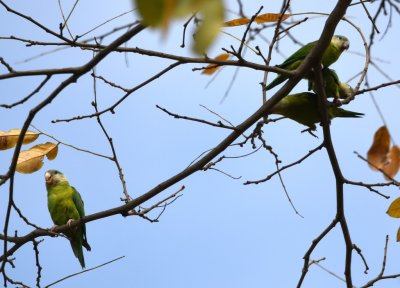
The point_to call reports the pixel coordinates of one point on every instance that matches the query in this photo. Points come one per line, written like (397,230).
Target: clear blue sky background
(220,233)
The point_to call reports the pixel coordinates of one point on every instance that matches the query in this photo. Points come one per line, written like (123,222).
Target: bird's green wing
(291,63)
(81,210)
(299,55)
(78,202)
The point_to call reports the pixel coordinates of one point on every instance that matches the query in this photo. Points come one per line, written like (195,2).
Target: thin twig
(26,98)
(111,142)
(39,267)
(65,24)
(8,66)
(71,146)
(239,52)
(369,186)
(111,109)
(319,147)
(369,17)
(184,29)
(225,173)
(84,271)
(143,212)
(358,250)
(177,116)
(381,276)
(105,22)
(23,217)
(331,273)
(112,84)
(314,244)
(397,82)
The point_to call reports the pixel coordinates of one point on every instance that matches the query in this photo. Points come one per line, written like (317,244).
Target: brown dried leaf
(271,17)
(31,160)
(380,147)
(212,68)
(237,22)
(392,162)
(394,208)
(9,139)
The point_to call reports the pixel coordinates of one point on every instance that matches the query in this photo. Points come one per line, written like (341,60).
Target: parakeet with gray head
(332,53)
(65,205)
(303,108)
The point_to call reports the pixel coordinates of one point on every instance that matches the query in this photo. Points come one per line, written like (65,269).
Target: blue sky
(221,233)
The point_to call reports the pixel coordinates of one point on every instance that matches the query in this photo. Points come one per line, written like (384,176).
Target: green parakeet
(332,53)
(303,108)
(65,204)
(333,86)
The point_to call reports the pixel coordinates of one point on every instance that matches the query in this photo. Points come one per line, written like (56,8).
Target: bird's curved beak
(48,178)
(346,45)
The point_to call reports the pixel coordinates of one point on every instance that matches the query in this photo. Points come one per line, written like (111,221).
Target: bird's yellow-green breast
(61,205)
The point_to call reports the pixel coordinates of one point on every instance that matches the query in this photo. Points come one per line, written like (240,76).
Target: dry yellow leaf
(9,139)
(392,162)
(212,68)
(237,22)
(394,208)
(398,235)
(380,147)
(267,17)
(271,17)
(31,160)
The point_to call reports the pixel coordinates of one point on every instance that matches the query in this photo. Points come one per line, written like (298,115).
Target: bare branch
(26,98)
(39,267)
(84,271)
(358,250)
(219,124)
(160,204)
(111,142)
(369,186)
(112,84)
(286,166)
(381,275)
(71,146)
(8,66)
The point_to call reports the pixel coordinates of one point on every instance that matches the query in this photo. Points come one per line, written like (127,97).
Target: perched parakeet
(65,204)
(333,86)
(303,108)
(332,53)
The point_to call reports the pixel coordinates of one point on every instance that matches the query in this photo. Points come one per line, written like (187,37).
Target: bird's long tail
(278,80)
(339,112)
(78,252)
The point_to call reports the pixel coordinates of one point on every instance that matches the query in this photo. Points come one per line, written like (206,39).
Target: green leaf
(152,11)
(213,13)
(160,14)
